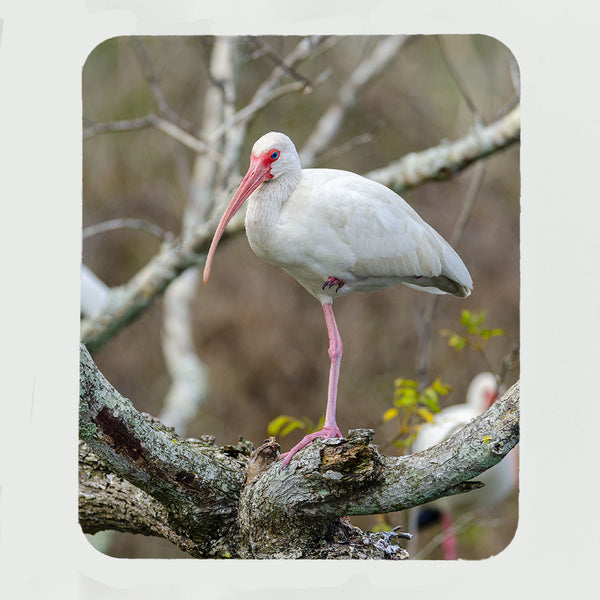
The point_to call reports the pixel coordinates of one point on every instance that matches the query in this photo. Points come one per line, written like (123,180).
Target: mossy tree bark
(138,476)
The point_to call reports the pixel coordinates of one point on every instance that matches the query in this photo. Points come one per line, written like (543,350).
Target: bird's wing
(386,237)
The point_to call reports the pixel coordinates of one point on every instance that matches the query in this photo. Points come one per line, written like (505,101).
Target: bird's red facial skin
(491,397)
(266,160)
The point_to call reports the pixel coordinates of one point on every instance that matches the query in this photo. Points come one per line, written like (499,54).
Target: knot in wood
(262,458)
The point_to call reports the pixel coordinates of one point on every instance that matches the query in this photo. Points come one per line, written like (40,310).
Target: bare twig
(342,149)
(259,102)
(151,120)
(271,90)
(459,81)
(468,204)
(126,223)
(266,50)
(123,125)
(427,321)
(152,78)
(330,122)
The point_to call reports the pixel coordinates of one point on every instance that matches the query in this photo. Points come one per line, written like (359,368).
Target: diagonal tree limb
(449,158)
(195,481)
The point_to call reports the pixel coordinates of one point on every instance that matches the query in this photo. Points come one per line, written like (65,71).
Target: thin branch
(152,78)
(269,90)
(93,128)
(126,223)
(427,321)
(330,122)
(127,302)
(151,120)
(260,101)
(459,81)
(153,82)
(266,50)
(468,204)
(301,52)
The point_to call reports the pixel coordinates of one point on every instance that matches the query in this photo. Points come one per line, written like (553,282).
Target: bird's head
(273,155)
(483,391)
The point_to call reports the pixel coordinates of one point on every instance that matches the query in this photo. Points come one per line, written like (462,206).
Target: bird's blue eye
(274,155)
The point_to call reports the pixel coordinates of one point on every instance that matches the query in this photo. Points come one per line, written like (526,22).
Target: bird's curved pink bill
(258,171)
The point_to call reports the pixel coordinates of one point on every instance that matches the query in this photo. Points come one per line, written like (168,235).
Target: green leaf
(430,398)
(277,423)
(480,318)
(406,398)
(425,414)
(389,414)
(458,342)
(381,527)
(441,388)
(466,318)
(402,384)
(486,334)
(295,424)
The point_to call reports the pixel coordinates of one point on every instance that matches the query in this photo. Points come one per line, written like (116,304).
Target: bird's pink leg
(449,539)
(330,428)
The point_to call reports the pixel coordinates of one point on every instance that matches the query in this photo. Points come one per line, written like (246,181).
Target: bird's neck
(263,216)
(266,202)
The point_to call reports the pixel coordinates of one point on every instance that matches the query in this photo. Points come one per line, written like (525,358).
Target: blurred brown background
(260,335)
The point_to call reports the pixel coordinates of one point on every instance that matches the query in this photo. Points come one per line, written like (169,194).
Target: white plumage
(336,232)
(332,223)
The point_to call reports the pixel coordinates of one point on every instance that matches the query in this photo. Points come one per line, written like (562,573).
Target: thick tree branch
(213,501)
(449,158)
(107,501)
(349,477)
(198,483)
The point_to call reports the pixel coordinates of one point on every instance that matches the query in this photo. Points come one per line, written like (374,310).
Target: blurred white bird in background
(500,480)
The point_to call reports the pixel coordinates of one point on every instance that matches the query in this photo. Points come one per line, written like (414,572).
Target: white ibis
(336,232)
(500,480)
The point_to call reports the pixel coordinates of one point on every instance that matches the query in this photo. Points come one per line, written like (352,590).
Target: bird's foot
(326,432)
(331,281)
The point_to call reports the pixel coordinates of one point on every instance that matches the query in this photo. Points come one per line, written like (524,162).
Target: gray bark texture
(231,502)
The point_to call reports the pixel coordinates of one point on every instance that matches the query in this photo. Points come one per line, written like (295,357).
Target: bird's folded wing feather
(375,230)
